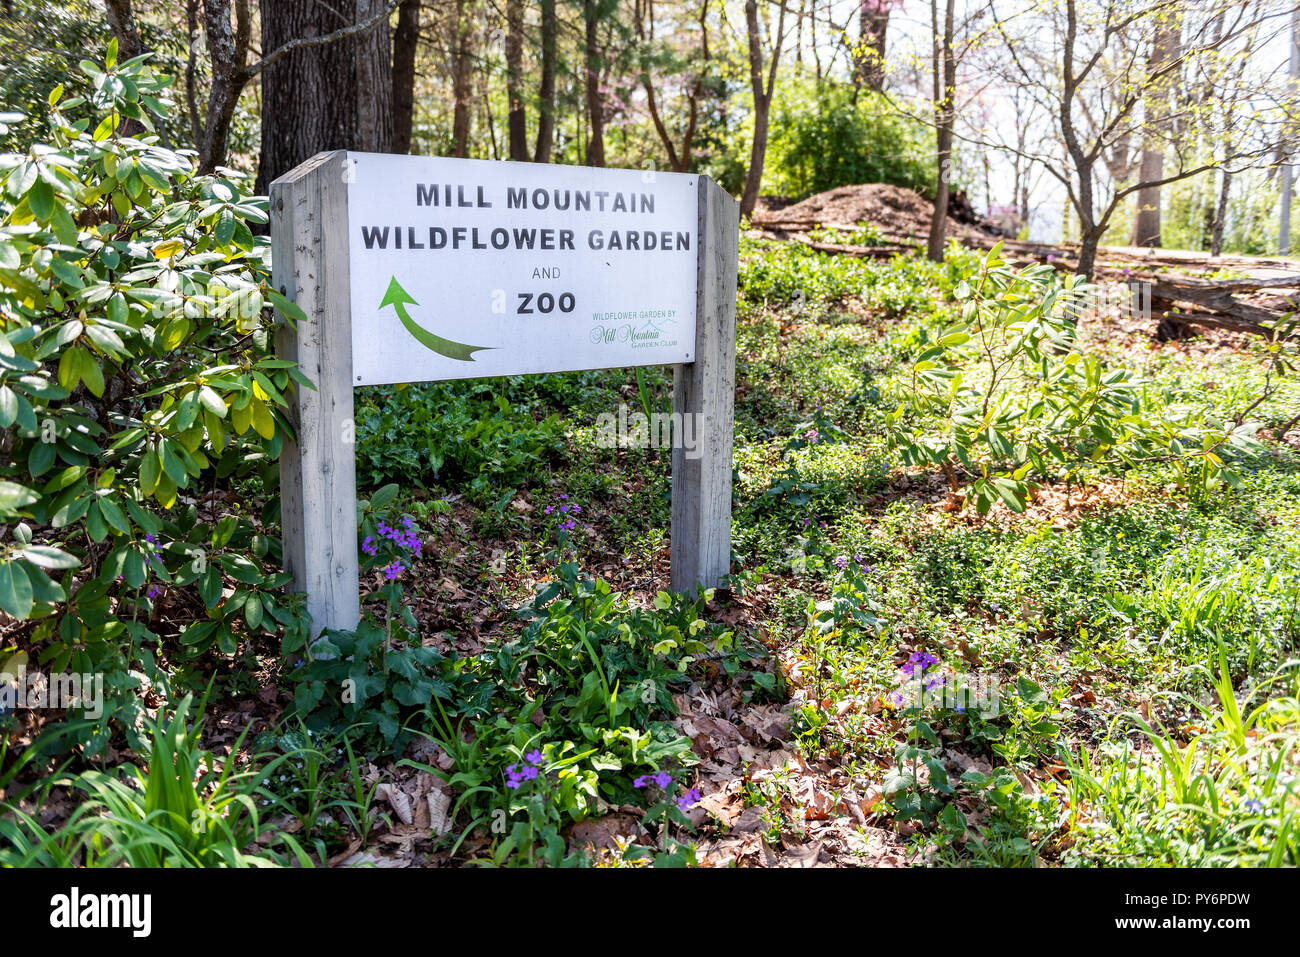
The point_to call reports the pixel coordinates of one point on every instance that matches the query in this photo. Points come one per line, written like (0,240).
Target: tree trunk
(516,118)
(546,93)
(945,92)
(873,22)
(1220,213)
(1090,239)
(122,19)
(762,100)
(227,51)
(335,95)
(1164,50)
(462,66)
(406,40)
(591,66)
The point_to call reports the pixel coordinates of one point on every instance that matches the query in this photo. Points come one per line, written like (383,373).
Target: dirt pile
(899,214)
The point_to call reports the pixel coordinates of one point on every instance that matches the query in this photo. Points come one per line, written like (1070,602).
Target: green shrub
(464,434)
(136,374)
(1007,393)
(830,135)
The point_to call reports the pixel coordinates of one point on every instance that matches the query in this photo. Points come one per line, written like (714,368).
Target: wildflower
(812,435)
(369,547)
(663,779)
(841,562)
(550,509)
(689,799)
(513,777)
(1254,806)
(154,592)
(393,570)
(533,757)
(568,526)
(641,781)
(919,663)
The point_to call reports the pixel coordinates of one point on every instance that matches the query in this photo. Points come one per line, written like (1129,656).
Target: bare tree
(592,14)
(516,116)
(944,73)
(691,82)
(406,42)
(1092,80)
(873,23)
(227,25)
(327,86)
(122,20)
(461,47)
(546,92)
(1157,125)
(762,90)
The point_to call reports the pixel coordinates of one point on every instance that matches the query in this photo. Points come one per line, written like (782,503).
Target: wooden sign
(414,269)
(465,268)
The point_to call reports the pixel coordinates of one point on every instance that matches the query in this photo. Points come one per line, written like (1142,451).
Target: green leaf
(210,586)
(47,556)
(253,614)
(384,496)
(15,590)
(14,496)
(8,406)
(114,515)
(212,402)
(40,199)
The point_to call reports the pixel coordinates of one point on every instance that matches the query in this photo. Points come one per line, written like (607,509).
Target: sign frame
(310,265)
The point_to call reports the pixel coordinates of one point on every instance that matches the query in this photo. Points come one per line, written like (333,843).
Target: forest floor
(1100,624)
(1073,608)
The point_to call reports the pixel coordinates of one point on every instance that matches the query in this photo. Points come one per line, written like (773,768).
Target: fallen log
(1179,302)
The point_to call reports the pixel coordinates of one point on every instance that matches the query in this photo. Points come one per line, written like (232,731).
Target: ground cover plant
(1013,584)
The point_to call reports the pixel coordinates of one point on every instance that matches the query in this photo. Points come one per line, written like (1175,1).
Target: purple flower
(641,781)
(1254,806)
(663,779)
(513,777)
(689,799)
(393,570)
(369,547)
(812,435)
(919,663)
(533,757)
(841,562)
(154,592)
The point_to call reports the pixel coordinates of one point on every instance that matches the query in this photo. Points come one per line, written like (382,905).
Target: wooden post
(706,388)
(318,487)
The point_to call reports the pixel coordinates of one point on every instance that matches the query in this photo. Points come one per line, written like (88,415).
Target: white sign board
(467,268)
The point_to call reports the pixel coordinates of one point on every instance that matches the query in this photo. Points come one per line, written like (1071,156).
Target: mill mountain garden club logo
(399,298)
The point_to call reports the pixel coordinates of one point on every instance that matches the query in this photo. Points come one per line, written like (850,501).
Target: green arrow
(397,297)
